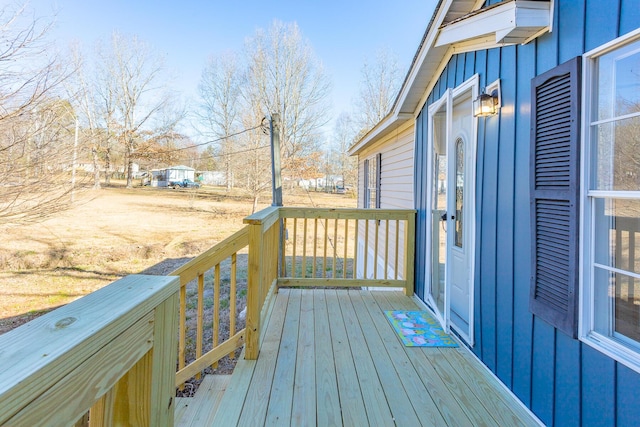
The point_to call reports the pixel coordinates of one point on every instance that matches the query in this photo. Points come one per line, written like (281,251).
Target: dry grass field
(114,232)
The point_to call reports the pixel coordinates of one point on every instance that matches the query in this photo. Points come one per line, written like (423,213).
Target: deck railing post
(409,253)
(254,279)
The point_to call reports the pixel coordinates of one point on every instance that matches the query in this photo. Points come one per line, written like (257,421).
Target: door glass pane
(459,192)
(438,209)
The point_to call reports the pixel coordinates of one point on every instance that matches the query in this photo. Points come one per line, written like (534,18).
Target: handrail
(196,269)
(348,247)
(112,351)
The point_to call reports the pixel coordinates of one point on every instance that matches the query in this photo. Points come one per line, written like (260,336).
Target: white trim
(613,194)
(587,333)
(508,23)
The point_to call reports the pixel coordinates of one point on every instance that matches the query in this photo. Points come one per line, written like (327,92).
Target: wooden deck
(330,357)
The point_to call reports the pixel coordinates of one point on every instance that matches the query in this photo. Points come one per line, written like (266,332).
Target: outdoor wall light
(488,102)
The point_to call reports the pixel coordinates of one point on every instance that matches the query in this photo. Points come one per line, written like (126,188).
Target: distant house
(527,197)
(162,177)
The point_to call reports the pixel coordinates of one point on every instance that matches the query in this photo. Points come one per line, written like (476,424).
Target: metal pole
(274,124)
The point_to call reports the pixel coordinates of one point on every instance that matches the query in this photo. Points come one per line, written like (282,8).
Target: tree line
(113,106)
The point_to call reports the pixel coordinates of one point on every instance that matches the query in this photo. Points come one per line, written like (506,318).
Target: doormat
(419,329)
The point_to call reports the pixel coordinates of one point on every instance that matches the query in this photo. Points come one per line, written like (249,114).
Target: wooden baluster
(315,247)
(326,243)
(216,309)
(284,248)
(346,245)
(356,231)
(200,319)
(183,328)
(397,248)
(304,250)
(335,247)
(386,249)
(366,248)
(294,241)
(232,300)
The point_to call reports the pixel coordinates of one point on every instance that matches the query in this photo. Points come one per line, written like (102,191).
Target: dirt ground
(113,232)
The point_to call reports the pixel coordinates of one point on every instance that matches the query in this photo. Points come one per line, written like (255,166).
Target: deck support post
(409,254)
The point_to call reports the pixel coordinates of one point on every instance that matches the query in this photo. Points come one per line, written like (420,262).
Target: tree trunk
(96,168)
(107,167)
(255,204)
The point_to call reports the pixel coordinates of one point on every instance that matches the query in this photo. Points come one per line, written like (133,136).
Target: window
(372,181)
(611,193)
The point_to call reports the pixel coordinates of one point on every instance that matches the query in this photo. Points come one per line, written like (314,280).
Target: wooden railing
(111,352)
(348,247)
(324,247)
(197,270)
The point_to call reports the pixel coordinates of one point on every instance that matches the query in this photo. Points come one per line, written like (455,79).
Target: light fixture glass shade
(484,105)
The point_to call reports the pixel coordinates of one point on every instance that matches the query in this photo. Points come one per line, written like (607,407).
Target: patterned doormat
(419,329)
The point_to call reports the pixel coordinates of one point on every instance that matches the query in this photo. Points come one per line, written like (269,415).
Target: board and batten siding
(563,381)
(396,190)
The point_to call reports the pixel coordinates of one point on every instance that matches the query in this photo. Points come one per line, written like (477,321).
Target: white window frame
(613,348)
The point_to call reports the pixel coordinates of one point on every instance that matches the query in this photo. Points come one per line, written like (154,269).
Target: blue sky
(342,33)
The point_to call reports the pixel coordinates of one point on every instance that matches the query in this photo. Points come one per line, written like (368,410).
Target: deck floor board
(329,357)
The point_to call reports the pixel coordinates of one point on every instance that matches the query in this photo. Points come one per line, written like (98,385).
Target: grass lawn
(114,232)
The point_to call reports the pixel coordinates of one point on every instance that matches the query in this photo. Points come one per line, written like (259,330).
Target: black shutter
(555,178)
(366,184)
(378,178)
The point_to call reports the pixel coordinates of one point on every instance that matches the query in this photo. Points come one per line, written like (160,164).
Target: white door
(458,251)
(452,182)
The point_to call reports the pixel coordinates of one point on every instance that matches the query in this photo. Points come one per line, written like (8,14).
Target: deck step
(201,409)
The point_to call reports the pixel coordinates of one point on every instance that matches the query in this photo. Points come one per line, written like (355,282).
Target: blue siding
(627,406)
(488,223)
(543,370)
(505,241)
(598,388)
(523,319)
(629,15)
(602,22)
(565,382)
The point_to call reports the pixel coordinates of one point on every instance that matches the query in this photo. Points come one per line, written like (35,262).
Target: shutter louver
(555,161)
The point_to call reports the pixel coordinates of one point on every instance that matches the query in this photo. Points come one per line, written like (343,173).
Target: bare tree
(344,136)
(286,77)
(34,123)
(378,88)
(219,89)
(133,91)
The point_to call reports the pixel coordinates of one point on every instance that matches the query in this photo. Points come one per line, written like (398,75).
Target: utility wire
(222,138)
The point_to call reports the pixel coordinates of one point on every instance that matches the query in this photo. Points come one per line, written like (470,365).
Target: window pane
(618,82)
(617,306)
(617,233)
(616,155)
(459,192)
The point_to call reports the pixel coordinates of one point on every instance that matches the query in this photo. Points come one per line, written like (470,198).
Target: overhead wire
(222,138)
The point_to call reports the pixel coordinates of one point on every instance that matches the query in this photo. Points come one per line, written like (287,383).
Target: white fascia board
(500,22)
(426,49)
(382,129)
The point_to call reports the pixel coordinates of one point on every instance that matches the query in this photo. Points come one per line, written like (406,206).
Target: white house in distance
(161,177)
